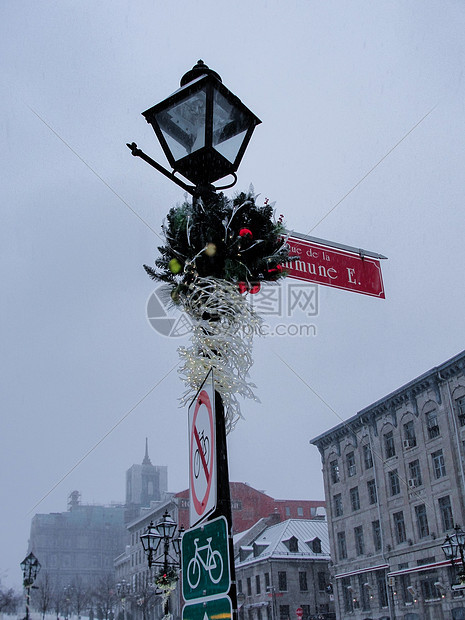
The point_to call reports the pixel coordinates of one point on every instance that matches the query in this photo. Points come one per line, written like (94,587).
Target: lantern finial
(199,69)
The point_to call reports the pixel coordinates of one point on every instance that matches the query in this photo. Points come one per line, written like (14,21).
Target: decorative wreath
(228,239)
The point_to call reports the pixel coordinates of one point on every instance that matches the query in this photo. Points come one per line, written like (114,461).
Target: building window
(364,589)
(405,584)
(249,587)
(321,581)
(347,595)
(399,527)
(305,612)
(288,511)
(422,521)
(460,406)
(282,581)
(359,542)
(316,545)
(303,581)
(257,584)
(367,457)
(376,528)
(351,469)
(432,423)
(394,484)
(341,545)
(410,440)
(414,474)
(382,589)
(334,471)
(389,446)
(300,511)
(428,588)
(337,503)
(354,499)
(439,466)
(284,612)
(267,581)
(445,509)
(372,496)
(239,586)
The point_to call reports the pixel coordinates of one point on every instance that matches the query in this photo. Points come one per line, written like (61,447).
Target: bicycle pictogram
(209,559)
(204,445)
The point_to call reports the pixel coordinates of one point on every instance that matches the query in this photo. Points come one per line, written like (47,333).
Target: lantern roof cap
(198,70)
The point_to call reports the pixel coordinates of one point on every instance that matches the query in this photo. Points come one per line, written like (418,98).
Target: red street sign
(202,452)
(340,267)
(299,612)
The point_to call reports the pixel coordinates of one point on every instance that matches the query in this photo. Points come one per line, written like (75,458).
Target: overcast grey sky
(337,84)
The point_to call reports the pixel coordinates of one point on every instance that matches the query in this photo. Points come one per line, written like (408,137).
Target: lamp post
(122,591)
(156,542)
(30,567)
(204,130)
(452,546)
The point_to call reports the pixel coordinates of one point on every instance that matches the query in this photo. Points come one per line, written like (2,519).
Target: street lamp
(203,129)
(455,544)
(163,532)
(122,589)
(30,567)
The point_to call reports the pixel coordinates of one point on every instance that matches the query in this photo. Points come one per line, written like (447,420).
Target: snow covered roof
(305,538)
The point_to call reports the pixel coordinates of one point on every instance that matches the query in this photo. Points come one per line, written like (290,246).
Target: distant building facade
(395,486)
(145,483)
(283,569)
(83,542)
(79,544)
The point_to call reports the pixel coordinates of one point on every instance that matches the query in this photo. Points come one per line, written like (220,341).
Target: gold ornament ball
(174,265)
(210,249)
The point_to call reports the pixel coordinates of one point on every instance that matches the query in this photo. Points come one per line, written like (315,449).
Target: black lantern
(166,526)
(203,128)
(30,567)
(150,542)
(454,545)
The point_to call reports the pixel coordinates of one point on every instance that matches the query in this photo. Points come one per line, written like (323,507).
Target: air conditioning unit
(412,483)
(352,470)
(407,443)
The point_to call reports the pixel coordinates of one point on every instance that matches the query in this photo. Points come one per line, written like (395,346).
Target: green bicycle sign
(205,560)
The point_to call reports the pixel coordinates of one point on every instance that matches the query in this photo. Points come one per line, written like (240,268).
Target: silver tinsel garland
(224,324)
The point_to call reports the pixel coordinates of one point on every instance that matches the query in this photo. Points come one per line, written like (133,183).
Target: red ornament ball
(245,232)
(242,286)
(255,288)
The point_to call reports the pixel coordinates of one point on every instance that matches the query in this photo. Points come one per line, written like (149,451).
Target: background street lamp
(122,590)
(30,567)
(455,544)
(163,532)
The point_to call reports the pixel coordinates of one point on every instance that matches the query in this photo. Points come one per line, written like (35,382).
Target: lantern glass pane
(230,125)
(183,125)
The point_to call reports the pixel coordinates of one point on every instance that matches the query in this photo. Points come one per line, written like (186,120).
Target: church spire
(146,460)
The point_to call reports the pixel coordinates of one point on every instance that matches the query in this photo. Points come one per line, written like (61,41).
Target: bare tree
(80,595)
(105,597)
(9,600)
(57,599)
(43,594)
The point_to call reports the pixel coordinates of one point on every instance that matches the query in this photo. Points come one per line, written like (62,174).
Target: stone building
(78,545)
(282,571)
(395,485)
(145,483)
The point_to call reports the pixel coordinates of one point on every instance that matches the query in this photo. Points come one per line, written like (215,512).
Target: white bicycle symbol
(213,564)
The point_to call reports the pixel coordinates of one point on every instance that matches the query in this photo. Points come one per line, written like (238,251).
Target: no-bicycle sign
(202,452)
